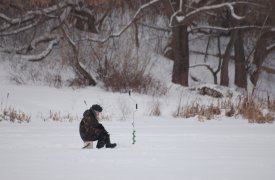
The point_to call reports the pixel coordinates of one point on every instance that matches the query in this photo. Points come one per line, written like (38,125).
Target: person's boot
(111,145)
(101,142)
(108,142)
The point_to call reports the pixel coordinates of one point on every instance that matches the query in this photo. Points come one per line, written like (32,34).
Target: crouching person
(91,130)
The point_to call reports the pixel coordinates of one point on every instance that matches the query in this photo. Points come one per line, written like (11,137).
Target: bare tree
(239,54)
(240,19)
(48,24)
(265,43)
(226,58)
(183,16)
(44,24)
(180,44)
(240,64)
(233,19)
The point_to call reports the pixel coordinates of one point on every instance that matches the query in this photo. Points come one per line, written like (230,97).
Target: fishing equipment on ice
(133,122)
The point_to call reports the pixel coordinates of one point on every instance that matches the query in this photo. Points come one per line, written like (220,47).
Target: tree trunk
(260,54)
(181,55)
(226,58)
(88,78)
(240,71)
(180,45)
(215,74)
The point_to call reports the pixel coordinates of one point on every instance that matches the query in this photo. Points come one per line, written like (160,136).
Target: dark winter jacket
(89,127)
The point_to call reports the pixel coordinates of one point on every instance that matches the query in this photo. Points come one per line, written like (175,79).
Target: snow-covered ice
(166,147)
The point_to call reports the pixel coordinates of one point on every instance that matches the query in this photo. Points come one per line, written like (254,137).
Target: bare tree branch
(204,65)
(11,50)
(155,27)
(42,55)
(45,37)
(270,48)
(114,35)
(229,28)
(30,15)
(19,30)
(183,18)
(268,70)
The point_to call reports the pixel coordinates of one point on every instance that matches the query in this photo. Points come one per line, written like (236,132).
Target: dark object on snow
(91,130)
(210,92)
(96,107)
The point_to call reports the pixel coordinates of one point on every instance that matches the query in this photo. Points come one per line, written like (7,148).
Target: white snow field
(165,148)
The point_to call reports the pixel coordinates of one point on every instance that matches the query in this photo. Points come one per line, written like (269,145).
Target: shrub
(229,112)
(10,114)
(249,107)
(57,117)
(129,73)
(155,109)
(195,109)
(252,110)
(271,105)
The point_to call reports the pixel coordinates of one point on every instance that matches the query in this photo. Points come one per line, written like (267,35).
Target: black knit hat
(96,107)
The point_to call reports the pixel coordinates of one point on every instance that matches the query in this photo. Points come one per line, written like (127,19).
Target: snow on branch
(45,37)
(182,18)
(9,33)
(18,50)
(204,65)
(230,28)
(29,15)
(138,12)
(42,55)
(16,20)
(4,26)
(25,21)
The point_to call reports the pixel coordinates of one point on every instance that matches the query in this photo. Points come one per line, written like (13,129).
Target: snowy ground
(166,147)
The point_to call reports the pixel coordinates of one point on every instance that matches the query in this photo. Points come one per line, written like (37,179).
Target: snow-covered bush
(122,66)
(248,107)
(254,110)
(13,115)
(131,76)
(59,117)
(8,113)
(271,105)
(195,109)
(155,108)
